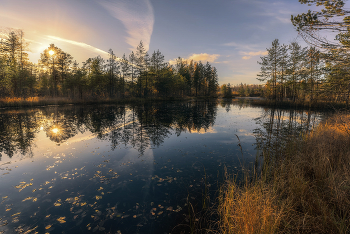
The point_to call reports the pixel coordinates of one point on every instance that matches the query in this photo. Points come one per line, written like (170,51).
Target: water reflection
(125,168)
(18,129)
(278,126)
(140,126)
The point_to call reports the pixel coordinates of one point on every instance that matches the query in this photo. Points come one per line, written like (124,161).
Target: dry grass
(313,179)
(320,105)
(43,101)
(251,209)
(32,101)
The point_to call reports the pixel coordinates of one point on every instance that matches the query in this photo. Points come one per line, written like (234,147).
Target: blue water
(127,169)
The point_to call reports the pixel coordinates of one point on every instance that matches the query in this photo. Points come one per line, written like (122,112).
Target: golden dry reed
(32,101)
(251,209)
(307,192)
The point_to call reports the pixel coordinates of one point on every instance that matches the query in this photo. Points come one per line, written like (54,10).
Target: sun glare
(55,130)
(51,52)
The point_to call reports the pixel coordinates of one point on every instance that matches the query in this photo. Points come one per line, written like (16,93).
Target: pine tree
(113,69)
(125,67)
(270,67)
(140,63)
(297,54)
(133,70)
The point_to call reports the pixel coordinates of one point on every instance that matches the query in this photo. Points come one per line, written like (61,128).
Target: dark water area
(128,169)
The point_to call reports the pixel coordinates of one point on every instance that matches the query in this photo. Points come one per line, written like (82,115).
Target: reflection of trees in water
(17,132)
(279,126)
(241,103)
(139,126)
(59,128)
(151,123)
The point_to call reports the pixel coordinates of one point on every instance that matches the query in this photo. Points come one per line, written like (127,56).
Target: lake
(129,168)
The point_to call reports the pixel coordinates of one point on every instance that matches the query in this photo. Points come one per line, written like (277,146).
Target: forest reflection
(278,126)
(139,126)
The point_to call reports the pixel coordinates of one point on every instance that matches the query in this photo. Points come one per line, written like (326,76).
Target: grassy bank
(306,191)
(44,101)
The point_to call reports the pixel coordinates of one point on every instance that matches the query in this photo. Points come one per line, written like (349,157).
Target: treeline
(305,74)
(291,71)
(139,74)
(242,90)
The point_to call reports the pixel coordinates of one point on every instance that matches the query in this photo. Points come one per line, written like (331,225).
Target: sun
(51,52)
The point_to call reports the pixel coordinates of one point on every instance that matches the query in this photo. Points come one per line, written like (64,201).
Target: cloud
(204,57)
(248,55)
(80,44)
(284,20)
(136,16)
(234,44)
(245,46)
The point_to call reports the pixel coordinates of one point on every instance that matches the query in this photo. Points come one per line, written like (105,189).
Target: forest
(319,72)
(139,74)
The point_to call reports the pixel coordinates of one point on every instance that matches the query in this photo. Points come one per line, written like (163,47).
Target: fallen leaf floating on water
(48,226)
(22,185)
(16,214)
(61,219)
(4,223)
(27,198)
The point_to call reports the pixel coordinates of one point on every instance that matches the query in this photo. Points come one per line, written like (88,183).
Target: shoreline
(14,103)
(305,191)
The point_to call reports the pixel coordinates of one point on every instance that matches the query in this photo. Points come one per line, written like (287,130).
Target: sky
(230,34)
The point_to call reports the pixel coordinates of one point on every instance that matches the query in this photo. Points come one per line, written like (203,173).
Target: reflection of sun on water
(55,130)
(57,133)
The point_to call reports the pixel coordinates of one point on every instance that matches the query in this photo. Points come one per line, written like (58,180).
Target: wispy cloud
(204,57)
(80,44)
(284,20)
(136,16)
(249,55)
(243,46)
(233,44)
(32,41)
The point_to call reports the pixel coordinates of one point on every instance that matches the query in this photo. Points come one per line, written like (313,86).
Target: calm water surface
(127,169)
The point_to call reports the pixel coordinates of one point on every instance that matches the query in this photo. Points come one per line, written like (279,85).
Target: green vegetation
(58,75)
